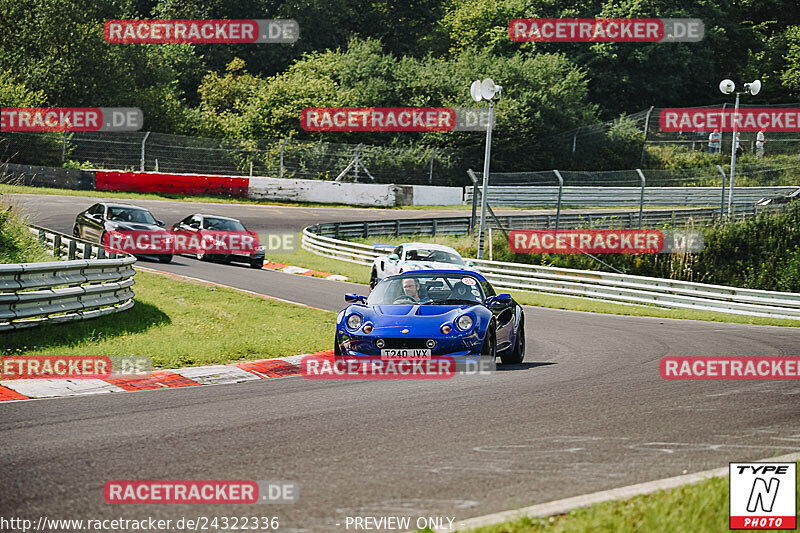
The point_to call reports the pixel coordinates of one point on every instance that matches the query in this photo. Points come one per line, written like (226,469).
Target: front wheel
(166,258)
(515,356)
(257,263)
(373,279)
(76,232)
(337,352)
(489,348)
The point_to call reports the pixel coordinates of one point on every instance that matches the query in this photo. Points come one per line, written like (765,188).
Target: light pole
(727,87)
(485,90)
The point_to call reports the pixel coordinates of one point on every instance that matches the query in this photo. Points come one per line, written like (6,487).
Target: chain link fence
(634,133)
(631,141)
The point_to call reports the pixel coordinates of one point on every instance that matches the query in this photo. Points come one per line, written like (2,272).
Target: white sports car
(415,256)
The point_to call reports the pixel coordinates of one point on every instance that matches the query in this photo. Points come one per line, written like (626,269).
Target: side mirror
(353,298)
(161,223)
(503,298)
(470,264)
(394,257)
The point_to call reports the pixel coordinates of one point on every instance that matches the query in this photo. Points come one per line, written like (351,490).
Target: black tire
(257,263)
(373,279)
(167,258)
(201,256)
(489,348)
(75,231)
(336,351)
(516,356)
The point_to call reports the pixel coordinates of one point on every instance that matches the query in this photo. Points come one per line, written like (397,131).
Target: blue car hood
(402,315)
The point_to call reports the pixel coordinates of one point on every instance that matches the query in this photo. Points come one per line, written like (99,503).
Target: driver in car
(411,291)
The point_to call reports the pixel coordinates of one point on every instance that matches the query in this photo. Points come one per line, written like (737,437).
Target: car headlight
(261,248)
(354,321)
(464,322)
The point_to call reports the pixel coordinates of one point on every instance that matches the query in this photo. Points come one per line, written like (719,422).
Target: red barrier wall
(160,182)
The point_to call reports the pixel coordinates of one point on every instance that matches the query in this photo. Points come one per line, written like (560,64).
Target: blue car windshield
(427,289)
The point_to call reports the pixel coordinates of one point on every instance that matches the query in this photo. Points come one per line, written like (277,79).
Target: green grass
(697,508)
(303,258)
(181,323)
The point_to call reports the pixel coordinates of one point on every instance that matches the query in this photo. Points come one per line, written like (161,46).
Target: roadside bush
(17,244)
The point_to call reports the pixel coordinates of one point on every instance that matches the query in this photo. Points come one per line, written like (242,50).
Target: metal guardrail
(547,195)
(59,291)
(462,225)
(620,288)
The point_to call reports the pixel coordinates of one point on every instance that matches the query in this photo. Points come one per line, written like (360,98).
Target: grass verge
(698,508)
(182,323)
(303,258)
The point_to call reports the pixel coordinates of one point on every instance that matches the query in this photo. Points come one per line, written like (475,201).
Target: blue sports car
(422,314)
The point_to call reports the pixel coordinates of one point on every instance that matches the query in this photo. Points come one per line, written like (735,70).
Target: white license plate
(405,353)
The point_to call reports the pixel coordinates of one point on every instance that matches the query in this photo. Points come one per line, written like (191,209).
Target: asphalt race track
(586,411)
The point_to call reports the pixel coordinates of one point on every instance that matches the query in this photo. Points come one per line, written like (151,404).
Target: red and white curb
(241,371)
(289,269)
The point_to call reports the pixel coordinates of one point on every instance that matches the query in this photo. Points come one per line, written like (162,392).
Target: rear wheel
(76,232)
(515,356)
(373,279)
(201,256)
(166,258)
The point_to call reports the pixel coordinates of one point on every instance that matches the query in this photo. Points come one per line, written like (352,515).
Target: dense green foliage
(410,52)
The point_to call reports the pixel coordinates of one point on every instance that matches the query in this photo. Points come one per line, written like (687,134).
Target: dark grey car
(102,217)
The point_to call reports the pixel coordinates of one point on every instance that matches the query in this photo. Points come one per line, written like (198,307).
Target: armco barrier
(620,288)
(542,196)
(159,182)
(282,189)
(461,225)
(58,291)
(59,178)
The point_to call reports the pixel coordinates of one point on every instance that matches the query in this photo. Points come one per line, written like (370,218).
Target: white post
(733,158)
(146,135)
(484,189)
